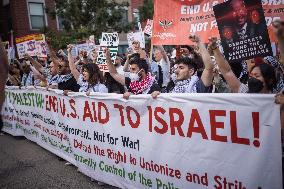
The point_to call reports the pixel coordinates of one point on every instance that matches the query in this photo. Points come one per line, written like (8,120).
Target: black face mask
(254,85)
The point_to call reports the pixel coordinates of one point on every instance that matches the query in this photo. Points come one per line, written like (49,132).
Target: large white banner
(177,141)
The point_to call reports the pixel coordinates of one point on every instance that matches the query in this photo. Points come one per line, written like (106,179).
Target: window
(37,17)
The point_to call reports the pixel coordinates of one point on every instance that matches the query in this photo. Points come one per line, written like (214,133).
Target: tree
(82,18)
(147,10)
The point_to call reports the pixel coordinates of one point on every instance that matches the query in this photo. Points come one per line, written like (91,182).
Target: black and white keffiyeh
(186,86)
(53,80)
(64,78)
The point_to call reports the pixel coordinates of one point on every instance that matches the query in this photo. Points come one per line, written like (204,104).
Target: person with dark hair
(91,79)
(247,23)
(140,80)
(28,76)
(14,76)
(52,78)
(112,85)
(66,80)
(118,66)
(186,80)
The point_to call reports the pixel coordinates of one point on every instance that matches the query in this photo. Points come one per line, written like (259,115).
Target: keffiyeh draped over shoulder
(186,86)
(64,78)
(143,86)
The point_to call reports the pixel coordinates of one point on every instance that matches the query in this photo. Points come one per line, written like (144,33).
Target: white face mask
(134,76)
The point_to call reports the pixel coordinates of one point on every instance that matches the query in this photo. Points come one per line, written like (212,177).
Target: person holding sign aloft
(91,79)
(135,50)
(140,80)
(262,77)
(186,80)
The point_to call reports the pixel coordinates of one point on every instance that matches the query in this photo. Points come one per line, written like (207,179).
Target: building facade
(23,17)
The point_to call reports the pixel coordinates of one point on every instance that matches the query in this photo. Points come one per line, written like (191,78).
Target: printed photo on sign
(137,36)
(109,39)
(242,29)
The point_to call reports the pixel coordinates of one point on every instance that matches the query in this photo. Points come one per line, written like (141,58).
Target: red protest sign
(196,16)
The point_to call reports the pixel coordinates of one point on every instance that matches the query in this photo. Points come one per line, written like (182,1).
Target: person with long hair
(91,79)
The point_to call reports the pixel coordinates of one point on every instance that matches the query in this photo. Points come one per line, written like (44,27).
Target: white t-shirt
(85,87)
(166,71)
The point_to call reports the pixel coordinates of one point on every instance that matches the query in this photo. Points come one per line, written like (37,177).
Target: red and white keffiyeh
(143,86)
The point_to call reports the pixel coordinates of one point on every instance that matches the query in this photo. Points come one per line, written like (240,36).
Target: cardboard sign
(137,36)
(149,27)
(101,59)
(109,39)
(26,45)
(41,45)
(242,29)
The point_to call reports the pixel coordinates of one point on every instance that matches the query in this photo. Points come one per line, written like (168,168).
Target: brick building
(25,17)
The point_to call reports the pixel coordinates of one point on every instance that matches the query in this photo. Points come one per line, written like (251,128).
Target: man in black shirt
(66,81)
(140,80)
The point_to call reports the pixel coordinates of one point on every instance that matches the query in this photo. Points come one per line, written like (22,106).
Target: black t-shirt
(70,84)
(154,87)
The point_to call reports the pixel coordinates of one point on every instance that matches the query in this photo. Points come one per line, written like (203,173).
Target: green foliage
(147,10)
(82,18)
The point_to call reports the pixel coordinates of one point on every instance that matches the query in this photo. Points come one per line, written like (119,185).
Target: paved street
(24,164)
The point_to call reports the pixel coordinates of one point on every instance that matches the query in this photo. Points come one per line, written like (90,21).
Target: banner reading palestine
(174,20)
(178,141)
(242,29)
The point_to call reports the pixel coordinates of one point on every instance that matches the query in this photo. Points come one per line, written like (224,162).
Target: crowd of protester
(188,69)
(197,68)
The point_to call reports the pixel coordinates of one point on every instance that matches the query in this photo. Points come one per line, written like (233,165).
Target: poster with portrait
(242,28)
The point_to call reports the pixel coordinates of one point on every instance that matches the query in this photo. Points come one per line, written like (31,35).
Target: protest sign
(149,27)
(87,47)
(137,36)
(26,45)
(197,17)
(242,29)
(41,45)
(175,141)
(109,39)
(101,58)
